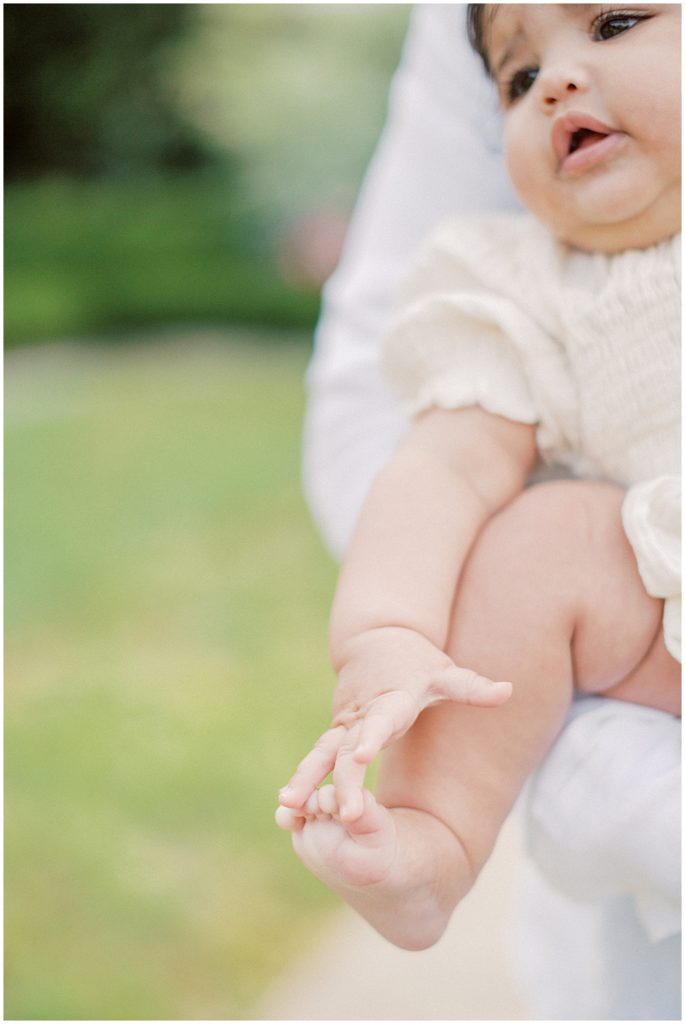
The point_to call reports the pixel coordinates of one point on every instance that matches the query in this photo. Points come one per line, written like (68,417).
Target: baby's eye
(520,82)
(607,26)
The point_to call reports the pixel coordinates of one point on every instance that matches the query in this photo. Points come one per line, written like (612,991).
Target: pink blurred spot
(310,249)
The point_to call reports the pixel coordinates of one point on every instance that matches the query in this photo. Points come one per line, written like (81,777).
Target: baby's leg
(655,682)
(550,594)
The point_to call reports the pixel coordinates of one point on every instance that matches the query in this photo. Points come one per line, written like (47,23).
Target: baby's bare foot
(401,869)
(342,854)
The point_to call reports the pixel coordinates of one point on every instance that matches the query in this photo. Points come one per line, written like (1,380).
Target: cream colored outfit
(498,313)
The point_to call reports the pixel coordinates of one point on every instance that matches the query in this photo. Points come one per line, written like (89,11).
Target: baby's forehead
(504,24)
(503,27)
(507,18)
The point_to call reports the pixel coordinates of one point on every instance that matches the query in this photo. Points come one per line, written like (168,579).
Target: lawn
(166,604)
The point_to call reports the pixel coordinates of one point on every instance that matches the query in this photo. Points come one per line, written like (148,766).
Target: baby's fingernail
(286,791)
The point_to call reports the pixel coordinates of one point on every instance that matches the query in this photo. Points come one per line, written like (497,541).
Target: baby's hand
(390,676)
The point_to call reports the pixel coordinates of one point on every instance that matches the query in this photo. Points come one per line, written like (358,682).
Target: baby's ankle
(429,876)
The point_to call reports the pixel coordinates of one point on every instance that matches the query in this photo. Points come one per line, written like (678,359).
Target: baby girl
(470,607)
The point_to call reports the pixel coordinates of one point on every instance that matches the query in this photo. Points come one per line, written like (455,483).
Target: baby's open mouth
(580,141)
(583,138)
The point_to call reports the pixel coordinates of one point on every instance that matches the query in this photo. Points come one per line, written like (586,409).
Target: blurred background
(177,182)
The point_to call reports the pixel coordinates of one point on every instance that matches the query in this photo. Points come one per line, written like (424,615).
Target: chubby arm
(454,470)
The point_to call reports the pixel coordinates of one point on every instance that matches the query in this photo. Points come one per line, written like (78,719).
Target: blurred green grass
(84,258)
(166,605)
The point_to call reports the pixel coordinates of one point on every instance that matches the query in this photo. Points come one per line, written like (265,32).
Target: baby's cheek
(518,171)
(666,142)
(525,174)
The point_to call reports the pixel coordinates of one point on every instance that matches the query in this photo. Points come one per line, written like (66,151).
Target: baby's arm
(391,613)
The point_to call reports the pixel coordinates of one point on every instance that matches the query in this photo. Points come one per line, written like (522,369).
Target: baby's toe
(328,801)
(374,821)
(288,819)
(311,807)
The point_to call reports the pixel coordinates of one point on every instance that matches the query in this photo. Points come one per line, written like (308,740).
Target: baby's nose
(560,84)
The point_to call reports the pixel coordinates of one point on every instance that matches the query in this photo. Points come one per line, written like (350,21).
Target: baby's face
(591,95)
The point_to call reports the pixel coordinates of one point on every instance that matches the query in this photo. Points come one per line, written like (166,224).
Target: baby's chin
(640,232)
(609,214)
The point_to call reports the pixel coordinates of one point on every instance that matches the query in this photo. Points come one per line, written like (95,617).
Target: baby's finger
(348,779)
(375,733)
(313,769)
(388,717)
(467,687)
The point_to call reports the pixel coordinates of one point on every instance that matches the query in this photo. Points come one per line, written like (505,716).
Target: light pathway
(353,974)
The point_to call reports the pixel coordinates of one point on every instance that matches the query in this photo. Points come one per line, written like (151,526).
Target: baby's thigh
(561,556)
(656,681)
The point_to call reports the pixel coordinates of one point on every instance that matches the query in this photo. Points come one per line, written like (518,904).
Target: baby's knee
(589,566)
(558,558)
(567,515)
(557,531)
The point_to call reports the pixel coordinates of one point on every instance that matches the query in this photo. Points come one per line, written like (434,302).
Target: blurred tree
(86,90)
(298,89)
(277,106)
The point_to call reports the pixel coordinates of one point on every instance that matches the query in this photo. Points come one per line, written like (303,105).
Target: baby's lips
(565,126)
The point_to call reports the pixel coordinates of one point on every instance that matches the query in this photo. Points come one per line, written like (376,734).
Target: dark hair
(475,27)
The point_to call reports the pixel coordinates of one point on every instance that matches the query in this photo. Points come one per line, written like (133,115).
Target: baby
(553,337)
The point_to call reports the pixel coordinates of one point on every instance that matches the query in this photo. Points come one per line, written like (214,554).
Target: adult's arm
(438,155)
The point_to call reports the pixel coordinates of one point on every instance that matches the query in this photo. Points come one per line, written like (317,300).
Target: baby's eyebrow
(510,52)
(579,8)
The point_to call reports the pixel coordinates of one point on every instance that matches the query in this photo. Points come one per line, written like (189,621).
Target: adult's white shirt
(602,929)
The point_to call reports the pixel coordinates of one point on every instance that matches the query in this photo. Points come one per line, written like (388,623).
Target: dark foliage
(85,91)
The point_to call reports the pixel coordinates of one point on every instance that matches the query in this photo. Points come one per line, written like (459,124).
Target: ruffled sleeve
(465,334)
(651,519)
